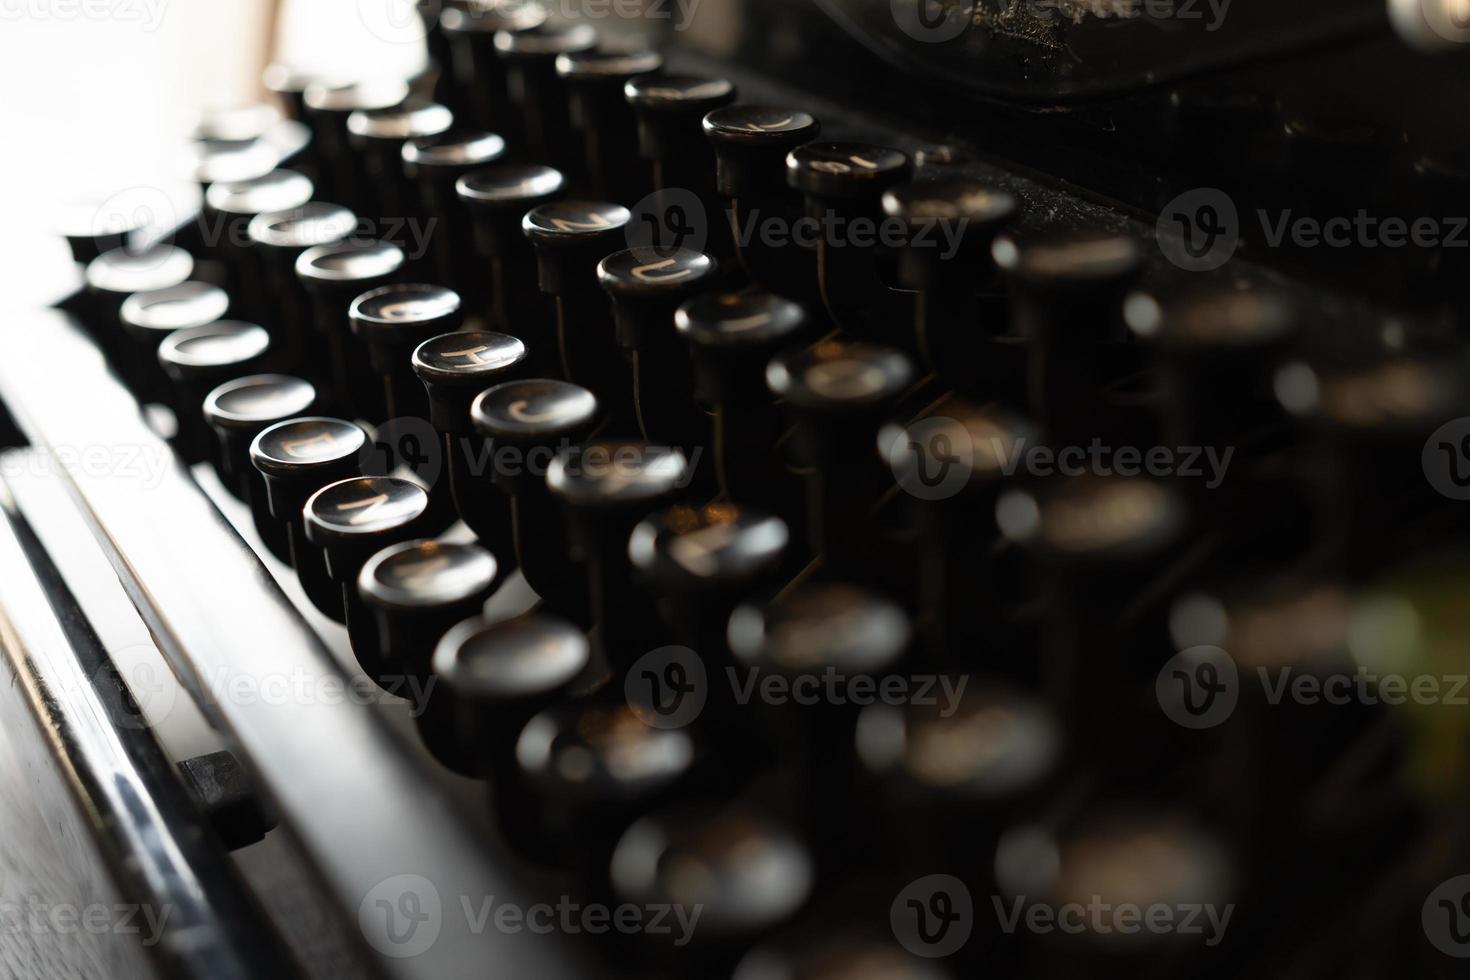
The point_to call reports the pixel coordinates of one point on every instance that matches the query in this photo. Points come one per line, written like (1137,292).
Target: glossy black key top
(390,322)
(348,522)
(604,121)
(527,423)
(751,143)
(278,238)
(670,111)
(297,458)
(950,225)
(497,198)
(1067,291)
(208,162)
(147,318)
(476,67)
(379,135)
(328,107)
(119,273)
(238,122)
(570,238)
(593,767)
(732,337)
(335,275)
(500,676)
(419,590)
(435,164)
(196,360)
(839,394)
(240,410)
(606,488)
(530,60)
(454,369)
(229,207)
(647,285)
(843,186)
(755,873)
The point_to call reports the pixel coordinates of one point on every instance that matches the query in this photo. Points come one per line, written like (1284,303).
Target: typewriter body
(762,489)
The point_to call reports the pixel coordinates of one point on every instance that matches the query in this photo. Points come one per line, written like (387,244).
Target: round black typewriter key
(454,369)
(1067,291)
(289,86)
(954,463)
(839,394)
(832,638)
(117,274)
(750,144)
(278,238)
(966,764)
(477,68)
(843,185)
(391,321)
(379,135)
(570,238)
(732,337)
(296,458)
(530,60)
(226,161)
(606,488)
(647,285)
(235,123)
(334,275)
(497,198)
(501,675)
(600,114)
(90,229)
(238,411)
(148,317)
(435,163)
(702,562)
(196,360)
(350,521)
(527,423)
(670,111)
(419,590)
(1108,864)
(950,225)
(754,874)
(328,107)
(1097,544)
(592,767)
(229,207)
(1387,458)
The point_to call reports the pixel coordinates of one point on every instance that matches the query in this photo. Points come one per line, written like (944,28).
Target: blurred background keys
(240,410)
(117,274)
(527,423)
(278,238)
(328,107)
(604,121)
(477,73)
(570,239)
(196,359)
(497,198)
(843,185)
(454,368)
(751,143)
(434,164)
(500,676)
(530,59)
(605,489)
(379,135)
(334,275)
(647,285)
(732,337)
(297,458)
(348,522)
(90,229)
(418,590)
(149,317)
(229,207)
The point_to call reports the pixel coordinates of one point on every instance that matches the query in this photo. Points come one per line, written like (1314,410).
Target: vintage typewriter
(764,489)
